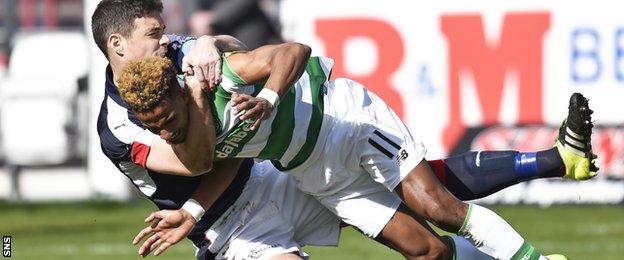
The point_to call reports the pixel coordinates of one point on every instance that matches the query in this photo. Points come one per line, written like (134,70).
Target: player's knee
(434,250)
(446,211)
(439,250)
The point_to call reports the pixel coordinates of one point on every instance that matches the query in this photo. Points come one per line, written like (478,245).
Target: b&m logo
(446,68)
(6,246)
(469,53)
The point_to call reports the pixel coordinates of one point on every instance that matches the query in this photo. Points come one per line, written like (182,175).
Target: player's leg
(475,175)
(375,211)
(378,213)
(414,239)
(390,155)
(422,193)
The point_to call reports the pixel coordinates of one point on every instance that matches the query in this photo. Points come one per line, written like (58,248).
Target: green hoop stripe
(221,98)
(317,79)
(282,128)
(526,252)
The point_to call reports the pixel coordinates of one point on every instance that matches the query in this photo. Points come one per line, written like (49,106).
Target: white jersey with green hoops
(289,135)
(338,140)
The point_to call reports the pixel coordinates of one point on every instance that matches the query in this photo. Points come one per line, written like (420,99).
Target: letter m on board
(518,50)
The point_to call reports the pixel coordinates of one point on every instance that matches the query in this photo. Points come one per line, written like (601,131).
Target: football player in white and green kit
(342,143)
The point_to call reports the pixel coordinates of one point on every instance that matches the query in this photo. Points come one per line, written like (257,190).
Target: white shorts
(366,152)
(271,217)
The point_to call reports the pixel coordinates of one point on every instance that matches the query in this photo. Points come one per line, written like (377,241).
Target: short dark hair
(117,16)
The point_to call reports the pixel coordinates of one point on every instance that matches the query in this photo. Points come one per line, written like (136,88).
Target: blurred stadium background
(462,74)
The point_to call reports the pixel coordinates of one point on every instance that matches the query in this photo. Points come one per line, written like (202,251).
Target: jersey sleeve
(135,150)
(141,146)
(231,81)
(113,148)
(178,48)
(122,138)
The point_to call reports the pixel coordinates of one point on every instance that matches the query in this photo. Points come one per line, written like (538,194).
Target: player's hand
(251,108)
(196,85)
(204,61)
(167,228)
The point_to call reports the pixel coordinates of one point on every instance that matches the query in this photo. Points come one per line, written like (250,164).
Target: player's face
(169,119)
(148,38)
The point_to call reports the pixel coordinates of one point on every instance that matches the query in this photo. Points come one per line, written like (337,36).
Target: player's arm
(212,185)
(279,66)
(171,226)
(195,155)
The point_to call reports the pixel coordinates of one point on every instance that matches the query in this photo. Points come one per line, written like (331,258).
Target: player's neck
(116,67)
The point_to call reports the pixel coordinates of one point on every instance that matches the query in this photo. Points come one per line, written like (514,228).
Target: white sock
(464,250)
(493,236)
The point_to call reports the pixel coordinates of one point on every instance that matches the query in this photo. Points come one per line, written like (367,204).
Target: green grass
(99,230)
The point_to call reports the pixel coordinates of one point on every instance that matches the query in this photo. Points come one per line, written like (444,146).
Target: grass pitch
(99,230)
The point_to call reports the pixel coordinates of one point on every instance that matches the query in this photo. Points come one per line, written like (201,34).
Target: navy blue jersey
(126,143)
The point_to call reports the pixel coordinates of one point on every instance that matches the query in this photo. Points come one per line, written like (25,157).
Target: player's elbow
(305,50)
(300,50)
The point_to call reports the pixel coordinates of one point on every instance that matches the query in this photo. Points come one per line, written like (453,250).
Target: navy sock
(474,175)
(550,164)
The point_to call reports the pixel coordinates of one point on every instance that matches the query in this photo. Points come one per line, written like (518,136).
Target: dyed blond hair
(144,83)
